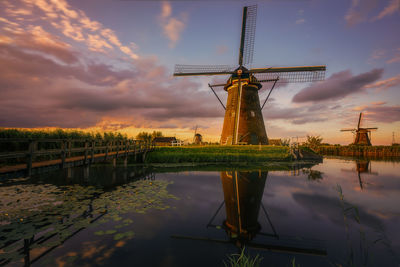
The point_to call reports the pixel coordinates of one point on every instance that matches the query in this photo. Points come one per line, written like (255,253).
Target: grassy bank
(229,166)
(220,154)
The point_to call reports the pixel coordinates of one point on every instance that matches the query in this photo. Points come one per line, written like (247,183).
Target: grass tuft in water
(243,260)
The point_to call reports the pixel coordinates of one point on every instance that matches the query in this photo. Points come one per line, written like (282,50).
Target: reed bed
(357,150)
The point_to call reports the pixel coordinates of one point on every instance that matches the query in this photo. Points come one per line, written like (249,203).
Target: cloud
(377,54)
(274,130)
(378,103)
(74,24)
(390,9)
(57,89)
(172,26)
(308,120)
(52,76)
(379,112)
(383,114)
(297,115)
(359,108)
(395,58)
(385,84)
(359,11)
(300,21)
(222,49)
(337,86)
(36,39)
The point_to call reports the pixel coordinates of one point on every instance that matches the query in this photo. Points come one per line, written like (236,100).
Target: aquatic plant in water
(351,212)
(243,260)
(44,215)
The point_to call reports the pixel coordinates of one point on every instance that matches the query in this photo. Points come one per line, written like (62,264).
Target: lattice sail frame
(250,33)
(291,77)
(188,70)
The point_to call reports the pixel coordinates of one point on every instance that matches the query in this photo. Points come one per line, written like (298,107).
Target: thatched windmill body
(243,121)
(362,135)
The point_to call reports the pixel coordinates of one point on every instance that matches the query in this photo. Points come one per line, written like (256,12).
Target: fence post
(86,152)
(105,158)
(30,156)
(134,148)
(63,154)
(93,147)
(69,148)
(116,156)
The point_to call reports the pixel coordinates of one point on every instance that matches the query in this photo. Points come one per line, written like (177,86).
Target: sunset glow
(107,65)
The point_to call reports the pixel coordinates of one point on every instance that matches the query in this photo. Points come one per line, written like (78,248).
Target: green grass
(218,154)
(243,260)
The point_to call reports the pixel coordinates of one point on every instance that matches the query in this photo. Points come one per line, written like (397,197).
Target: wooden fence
(60,153)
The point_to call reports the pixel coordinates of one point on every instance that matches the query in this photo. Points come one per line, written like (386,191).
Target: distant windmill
(363,135)
(195,132)
(198,139)
(243,122)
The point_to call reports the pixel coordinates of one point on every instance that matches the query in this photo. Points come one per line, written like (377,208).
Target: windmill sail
(290,74)
(246,50)
(196,70)
(359,121)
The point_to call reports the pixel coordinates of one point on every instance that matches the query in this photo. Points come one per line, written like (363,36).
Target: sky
(107,65)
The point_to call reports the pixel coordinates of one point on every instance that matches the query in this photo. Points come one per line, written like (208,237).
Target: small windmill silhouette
(362,135)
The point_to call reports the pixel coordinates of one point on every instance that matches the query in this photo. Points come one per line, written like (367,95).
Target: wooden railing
(30,151)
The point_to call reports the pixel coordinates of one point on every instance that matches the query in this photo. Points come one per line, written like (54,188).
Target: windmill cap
(245,76)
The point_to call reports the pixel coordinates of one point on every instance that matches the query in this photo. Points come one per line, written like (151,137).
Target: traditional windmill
(363,135)
(195,132)
(243,122)
(197,138)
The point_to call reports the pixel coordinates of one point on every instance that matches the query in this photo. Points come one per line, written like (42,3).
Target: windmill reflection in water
(243,193)
(362,167)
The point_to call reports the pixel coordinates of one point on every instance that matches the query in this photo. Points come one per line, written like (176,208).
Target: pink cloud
(36,40)
(47,83)
(359,11)
(395,58)
(378,103)
(172,26)
(392,7)
(385,114)
(74,24)
(385,84)
(377,54)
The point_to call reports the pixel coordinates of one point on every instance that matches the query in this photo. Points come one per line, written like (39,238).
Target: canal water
(342,212)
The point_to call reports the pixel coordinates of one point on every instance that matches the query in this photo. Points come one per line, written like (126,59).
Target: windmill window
(252,113)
